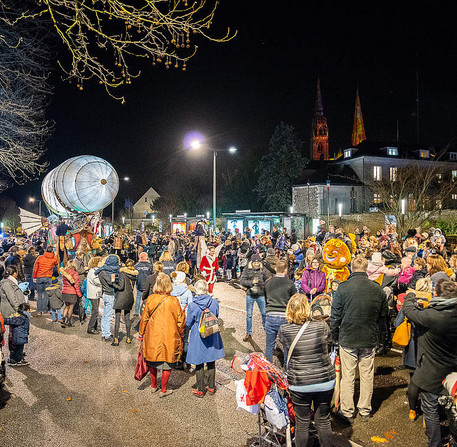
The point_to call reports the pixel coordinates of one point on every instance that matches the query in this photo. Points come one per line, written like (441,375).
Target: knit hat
(376,258)
(271,252)
(411,249)
(143,256)
(179,277)
(256,258)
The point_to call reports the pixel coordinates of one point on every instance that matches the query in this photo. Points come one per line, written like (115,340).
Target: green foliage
(280,168)
(448,226)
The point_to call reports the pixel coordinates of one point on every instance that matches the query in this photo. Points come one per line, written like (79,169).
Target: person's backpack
(209,324)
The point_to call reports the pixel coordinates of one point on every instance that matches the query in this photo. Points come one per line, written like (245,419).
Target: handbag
(209,324)
(402,334)
(141,368)
(297,337)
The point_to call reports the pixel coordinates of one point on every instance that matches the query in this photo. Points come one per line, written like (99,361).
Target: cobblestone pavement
(80,391)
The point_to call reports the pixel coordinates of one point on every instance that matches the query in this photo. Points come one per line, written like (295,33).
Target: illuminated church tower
(358,129)
(319,129)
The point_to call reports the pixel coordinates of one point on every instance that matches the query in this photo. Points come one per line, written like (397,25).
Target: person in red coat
(209,266)
(71,291)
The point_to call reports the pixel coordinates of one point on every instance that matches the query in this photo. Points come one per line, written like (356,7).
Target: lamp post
(197,144)
(340,211)
(32,200)
(171,224)
(403,212)
(328,202)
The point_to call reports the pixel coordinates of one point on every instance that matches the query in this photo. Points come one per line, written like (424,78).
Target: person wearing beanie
(253,279)
(144,269)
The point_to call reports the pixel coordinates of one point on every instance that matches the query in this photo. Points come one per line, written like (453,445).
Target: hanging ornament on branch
(104,37)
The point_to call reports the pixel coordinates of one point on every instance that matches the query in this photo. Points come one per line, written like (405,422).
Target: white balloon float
(83,184)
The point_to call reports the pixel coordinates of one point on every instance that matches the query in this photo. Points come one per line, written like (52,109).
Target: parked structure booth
(186,224)
(265,221)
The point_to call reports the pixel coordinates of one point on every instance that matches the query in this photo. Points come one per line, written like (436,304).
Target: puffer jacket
(10,297)
(310,360)
(248,276)
(20,325)
(44,265)
(94,288)
(313,279)
(55,297)
(183,294)
(70,282)
(124,289)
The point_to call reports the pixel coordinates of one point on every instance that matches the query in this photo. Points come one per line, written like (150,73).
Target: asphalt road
(80,391)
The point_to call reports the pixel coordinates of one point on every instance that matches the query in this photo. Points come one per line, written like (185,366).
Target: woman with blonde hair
(310,372)
(71,291)
(168,263)
(161,330)
(437,268)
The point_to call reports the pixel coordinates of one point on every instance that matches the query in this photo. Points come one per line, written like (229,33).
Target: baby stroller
(449,402)
(263,392)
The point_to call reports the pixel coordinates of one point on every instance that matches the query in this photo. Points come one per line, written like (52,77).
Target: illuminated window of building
(454,196)
(377,198)
(411,202)
(393,174)
(347,153)
(439,177)
(454,175)
(424,153)
(393,151)
(377,173)
(439,204)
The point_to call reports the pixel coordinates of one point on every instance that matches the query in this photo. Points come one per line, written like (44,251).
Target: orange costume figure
(336,256)
(209,266)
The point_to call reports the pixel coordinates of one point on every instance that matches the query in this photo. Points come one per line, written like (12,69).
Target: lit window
(377,173)
(393,174)
(424,153)
(347,153)
(454,196)
(377,198)
(392,151)
(439,204)
(454,175)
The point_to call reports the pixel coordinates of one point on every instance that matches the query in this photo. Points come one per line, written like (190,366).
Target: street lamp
(171,224)
(32,200)
(340,211)
(198,143)
(291,209)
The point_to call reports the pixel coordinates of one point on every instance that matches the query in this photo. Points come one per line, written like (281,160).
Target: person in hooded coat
(203,350)
(108,274)
(123,300)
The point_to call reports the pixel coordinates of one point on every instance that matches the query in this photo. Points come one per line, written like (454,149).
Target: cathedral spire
(319,129)
(358,129)
(318,108)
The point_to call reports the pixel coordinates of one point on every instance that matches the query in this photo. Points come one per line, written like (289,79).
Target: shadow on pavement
(5,396)
(232,346)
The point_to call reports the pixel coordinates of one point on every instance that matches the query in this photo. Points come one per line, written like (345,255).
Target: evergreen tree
(280,168)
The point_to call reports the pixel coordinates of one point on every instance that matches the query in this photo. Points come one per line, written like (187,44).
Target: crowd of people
(168,282)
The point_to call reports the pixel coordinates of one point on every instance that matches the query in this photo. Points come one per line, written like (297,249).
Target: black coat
(248,276)
(418,274)
(124,299)
(144,270)
(437,347)
(29,261)
(20,326)
(357,307)
(149,286)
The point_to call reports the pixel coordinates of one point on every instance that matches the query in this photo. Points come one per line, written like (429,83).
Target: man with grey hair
(357,307)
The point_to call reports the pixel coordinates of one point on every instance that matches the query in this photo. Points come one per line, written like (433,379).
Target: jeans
(139,294)
(272,325)
(432,418)
(56,314)
(351,359)
(42,296)
(108,303)
(92,326)
(250,308)
(32,287)
(302,405)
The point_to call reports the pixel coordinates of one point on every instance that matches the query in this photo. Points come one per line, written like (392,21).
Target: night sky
(237,92)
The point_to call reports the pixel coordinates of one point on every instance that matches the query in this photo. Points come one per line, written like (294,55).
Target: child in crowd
(420,271)
(406,273)
(56,303)
(20,327)
(87,301)
(297,280)
(333,288)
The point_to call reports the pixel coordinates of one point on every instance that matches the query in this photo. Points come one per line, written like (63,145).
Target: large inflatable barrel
(82,184)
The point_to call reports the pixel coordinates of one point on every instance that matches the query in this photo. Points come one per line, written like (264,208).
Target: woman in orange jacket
(161,329)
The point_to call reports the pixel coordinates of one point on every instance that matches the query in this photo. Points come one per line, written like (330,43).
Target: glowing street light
(196,141)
